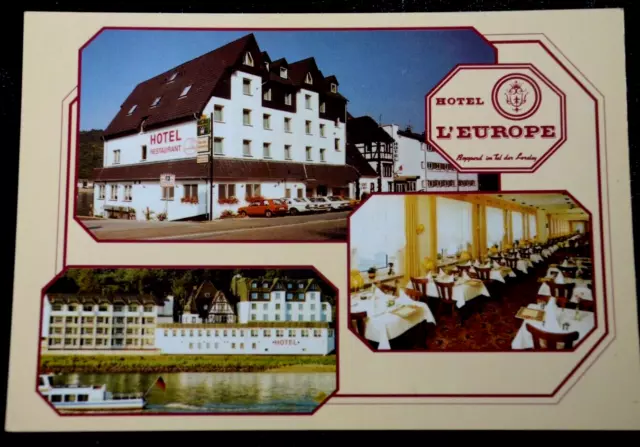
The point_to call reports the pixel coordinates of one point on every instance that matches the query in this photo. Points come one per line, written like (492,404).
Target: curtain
(495,226)
(454,225)
(377,231)
(516,225)
(411,258)
(533,229)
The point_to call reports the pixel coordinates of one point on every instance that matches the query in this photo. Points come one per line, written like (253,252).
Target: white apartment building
(420,168)
(275,130)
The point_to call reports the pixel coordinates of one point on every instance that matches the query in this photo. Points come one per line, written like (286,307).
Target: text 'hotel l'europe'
(248,126)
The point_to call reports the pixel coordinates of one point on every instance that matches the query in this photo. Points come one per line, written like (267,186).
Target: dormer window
(185,91)
(173,77)
(308,79)
(132,109)
(283,72)
(334,88)
(248,59)
(156,101)
(266,65)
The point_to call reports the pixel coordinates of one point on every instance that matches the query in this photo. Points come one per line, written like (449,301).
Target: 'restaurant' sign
(496,118)
(203,144)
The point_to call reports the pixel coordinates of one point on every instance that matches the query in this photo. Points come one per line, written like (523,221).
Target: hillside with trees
(91,152)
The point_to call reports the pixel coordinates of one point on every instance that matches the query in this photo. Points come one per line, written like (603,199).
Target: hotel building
(257,316)
(275,129)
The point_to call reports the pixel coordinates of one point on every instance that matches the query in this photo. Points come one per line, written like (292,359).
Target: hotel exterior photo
(259,316)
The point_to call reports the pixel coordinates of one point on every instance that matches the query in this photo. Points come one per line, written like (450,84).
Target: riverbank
(66,364)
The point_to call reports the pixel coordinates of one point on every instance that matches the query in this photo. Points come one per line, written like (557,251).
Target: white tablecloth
(523,264)
(580,290)
(461,292)
(536,258)
(386,326)
(524,340)
(499,275)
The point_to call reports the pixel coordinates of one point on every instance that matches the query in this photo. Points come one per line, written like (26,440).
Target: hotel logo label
(496,118)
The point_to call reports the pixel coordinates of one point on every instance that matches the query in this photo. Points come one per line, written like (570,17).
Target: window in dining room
(516,225)
(533,222)
(378,232)
(454,225)
(495,226)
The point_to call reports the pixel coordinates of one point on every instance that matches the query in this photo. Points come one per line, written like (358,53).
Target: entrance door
(322,190)
(310,192)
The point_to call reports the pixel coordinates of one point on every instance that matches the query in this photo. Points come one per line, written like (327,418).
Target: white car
(320,203)
(337,203)
(297,206)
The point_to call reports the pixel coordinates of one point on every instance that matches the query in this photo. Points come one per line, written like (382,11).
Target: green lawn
(185,363)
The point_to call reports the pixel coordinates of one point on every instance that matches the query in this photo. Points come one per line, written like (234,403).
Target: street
(312,227)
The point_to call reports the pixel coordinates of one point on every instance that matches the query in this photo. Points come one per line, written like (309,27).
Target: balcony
(371,156)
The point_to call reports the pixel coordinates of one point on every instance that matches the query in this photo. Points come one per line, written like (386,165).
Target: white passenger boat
(87,398)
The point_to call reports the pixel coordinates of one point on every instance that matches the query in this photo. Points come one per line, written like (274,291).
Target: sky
(384,74)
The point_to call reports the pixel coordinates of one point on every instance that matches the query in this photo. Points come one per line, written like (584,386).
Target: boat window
(56,398)
(83,397)
(70,398)
(41,381)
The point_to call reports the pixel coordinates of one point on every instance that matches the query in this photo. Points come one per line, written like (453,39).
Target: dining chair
(560,301)
(550,341)
(420,286)
(445,293)
(561,290)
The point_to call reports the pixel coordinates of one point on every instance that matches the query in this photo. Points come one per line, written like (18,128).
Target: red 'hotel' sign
(168,136)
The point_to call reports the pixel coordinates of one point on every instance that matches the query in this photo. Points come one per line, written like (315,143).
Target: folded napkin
(447,278)
(468,263)
(476,264)
(559,278)
(472,270)
(518,256)
(496,265)
(565,264)
(465,276)
(441,273)
(551,316)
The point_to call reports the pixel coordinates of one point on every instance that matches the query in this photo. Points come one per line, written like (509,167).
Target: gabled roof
(202,73)
(298,71)
(205,294)
(356,159)
(408,133)
(364,129)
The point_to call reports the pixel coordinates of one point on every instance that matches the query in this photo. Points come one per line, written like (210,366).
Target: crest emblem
(516,96)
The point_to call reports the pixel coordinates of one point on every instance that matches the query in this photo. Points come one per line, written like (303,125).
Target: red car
(266,208)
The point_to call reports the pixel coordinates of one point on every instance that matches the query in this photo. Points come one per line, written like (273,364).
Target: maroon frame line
(249,29)
(336,333)
(602,249)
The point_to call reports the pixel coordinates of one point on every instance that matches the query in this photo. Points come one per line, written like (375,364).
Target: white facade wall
(179,142)
(184,339)
(280,309)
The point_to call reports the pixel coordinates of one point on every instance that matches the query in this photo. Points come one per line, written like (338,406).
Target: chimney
(409,128)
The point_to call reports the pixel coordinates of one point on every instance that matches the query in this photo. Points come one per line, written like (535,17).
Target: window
(246,86)
(287,152)
(185,91)
(267,95)
(173,77)
(253,190)
(387,229)
(516,225)
(495,226)
(246,148)
(116,157)
(336,144)
(287,124)
(307,101)
(283,72)
(300,193)
(387,170)
(287,99)
(322,158)
(334,88)
(218,113)
(287,193)
(132,109)
(167,192)
(323,107)
(190,191)
(156,101)
(266,121)
(246,117)
(454,225)
(114,192)
(322,129)
(248,59)
(308,79)
(308,152)
(143,152)
(218,148)
(127,193)
(307,127)
(266,66)
(532,226)
(266,150)
(101,192)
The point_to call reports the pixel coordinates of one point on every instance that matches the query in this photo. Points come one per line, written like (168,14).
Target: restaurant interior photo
(471,272)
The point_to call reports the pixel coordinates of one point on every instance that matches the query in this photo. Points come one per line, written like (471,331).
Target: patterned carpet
(489,324)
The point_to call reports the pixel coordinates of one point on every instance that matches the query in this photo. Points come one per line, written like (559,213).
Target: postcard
(360,221)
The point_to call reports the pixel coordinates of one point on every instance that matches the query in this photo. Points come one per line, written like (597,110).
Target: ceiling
(549,203)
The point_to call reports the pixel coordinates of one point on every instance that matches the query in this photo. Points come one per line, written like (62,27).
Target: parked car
(314,207)
(266,208)
(321,204)
(298,205)
(338,203)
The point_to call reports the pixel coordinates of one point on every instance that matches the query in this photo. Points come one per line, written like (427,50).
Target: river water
(218,392)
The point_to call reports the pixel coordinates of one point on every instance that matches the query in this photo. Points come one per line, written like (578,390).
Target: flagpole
(152,385)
